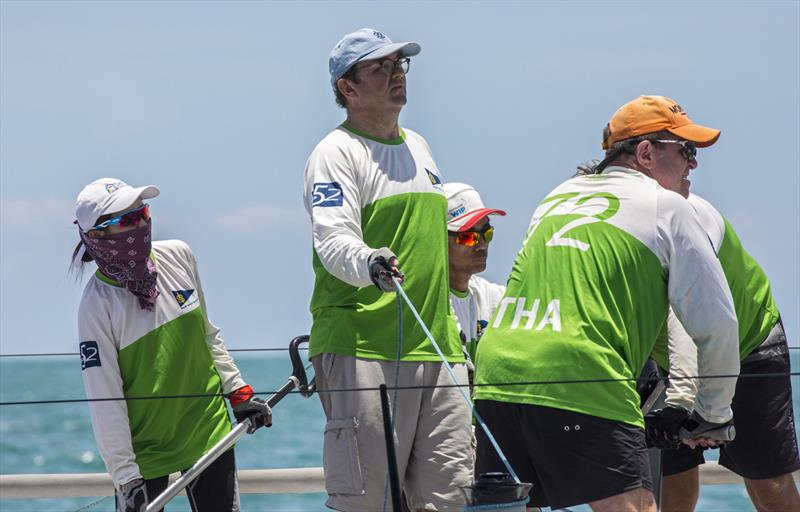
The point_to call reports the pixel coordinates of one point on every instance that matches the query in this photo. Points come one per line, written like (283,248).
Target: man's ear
(645,154)
(346,88)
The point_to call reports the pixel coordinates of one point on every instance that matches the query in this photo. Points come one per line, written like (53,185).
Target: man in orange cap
(764,451)
(604,258)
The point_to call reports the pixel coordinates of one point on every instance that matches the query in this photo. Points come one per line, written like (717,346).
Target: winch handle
(298,369)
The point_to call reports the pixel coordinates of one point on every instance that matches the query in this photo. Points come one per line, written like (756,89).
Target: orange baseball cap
(650,114)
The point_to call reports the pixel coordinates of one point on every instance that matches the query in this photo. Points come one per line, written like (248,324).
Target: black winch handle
(298,370)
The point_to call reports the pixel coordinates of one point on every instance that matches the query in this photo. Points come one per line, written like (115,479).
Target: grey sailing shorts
(433,434)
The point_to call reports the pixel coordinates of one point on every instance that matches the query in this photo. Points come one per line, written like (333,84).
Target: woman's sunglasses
(472,238)
(130,218)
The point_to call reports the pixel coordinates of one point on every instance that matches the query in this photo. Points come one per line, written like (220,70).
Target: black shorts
(766,442)
(215,490)
(570,458)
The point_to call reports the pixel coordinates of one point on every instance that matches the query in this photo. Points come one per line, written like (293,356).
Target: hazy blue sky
(219,104)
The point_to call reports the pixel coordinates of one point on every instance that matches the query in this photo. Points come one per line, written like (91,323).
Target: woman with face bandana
(144,332)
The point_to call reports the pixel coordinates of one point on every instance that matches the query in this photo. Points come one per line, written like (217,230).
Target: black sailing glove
(382,267)
(662,427)
(132,497)
(697,427)
(246,405)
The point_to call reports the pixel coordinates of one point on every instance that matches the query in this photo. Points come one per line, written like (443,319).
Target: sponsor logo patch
(183,297)
(90,354)
(434,178)
(113,187)
(455,212)
(327,194)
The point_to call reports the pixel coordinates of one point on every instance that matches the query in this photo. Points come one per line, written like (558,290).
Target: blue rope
(497,449)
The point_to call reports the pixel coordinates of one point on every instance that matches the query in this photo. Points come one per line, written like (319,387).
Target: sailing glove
(662,427)
(382,267)
(132,496)
(696,427)
(246,405)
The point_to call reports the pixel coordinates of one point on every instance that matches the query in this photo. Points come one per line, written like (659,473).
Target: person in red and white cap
(474,299)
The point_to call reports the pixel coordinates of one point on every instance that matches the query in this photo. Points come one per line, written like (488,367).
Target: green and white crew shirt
(362,194)
(172,350)
(588,293)
(474,309)
(752,299)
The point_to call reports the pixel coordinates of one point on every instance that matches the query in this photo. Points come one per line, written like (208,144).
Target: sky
(220,104)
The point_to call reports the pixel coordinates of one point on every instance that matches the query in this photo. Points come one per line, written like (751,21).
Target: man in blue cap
(374,194)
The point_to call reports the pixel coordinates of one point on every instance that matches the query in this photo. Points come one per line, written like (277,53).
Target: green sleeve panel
(171,434)
(752,297)
(363,322)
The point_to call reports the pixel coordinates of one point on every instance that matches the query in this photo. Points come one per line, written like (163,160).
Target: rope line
(470,404)
(348,390)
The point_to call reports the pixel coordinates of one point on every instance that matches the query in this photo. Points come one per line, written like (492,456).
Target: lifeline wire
(348,390)
(455,380)
(43,354)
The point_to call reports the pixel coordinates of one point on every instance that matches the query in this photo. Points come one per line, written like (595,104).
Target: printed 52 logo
(90,354)
(327,194)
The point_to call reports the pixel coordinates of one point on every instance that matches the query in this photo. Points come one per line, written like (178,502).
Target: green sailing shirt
(172,350)
(362,194)
(603,258)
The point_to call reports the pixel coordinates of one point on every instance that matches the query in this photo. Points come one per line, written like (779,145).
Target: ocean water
(57,438)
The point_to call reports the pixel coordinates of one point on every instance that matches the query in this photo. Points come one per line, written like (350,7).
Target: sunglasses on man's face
(688,148)
(130,218)
(472,238)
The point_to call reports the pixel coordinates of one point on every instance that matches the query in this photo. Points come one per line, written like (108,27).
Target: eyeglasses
(389,66)
(130,218)
(472,238)
(688,148)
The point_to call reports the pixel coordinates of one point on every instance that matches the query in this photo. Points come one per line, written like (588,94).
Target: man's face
(469,260)
(380,84)
(671,168)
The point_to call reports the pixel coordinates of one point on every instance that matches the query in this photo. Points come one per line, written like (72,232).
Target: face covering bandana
(125,258)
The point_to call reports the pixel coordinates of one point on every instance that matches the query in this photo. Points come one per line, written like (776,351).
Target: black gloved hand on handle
(246,405)
(132,496)
(382,267)
(662,427)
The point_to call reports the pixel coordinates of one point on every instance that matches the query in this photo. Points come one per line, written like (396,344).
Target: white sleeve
(682,365)
(710,219)
(226,367)
(332,198)
(102,379)
(701,299)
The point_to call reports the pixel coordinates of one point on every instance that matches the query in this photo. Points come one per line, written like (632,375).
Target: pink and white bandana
(125,258)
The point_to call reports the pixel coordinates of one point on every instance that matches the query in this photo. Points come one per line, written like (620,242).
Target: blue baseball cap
(364,44)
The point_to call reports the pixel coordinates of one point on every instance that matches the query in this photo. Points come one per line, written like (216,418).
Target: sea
(57,438)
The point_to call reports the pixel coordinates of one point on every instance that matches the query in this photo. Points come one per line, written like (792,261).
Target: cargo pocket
(340,458)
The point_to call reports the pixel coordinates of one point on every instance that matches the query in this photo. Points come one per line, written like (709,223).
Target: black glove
(132,497)
(696,427)
(380,269)
(246,405)
(662,427)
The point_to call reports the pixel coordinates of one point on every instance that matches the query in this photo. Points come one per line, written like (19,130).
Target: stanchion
(394,480)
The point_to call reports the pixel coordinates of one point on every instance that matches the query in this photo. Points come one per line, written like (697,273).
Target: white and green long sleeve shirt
(362,194)
(474,308)
(588,293)
(752,299)
(173,350)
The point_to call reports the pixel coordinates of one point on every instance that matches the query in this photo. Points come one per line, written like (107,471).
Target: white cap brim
(406,50)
